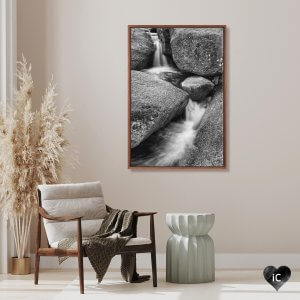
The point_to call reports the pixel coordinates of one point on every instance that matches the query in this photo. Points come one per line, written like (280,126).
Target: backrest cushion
(79,199)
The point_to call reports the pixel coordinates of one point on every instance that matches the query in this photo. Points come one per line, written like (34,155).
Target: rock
(169,74)
(173,77)
(197,87)
(154,102)
(198,50)
(165,37)
(208,146)
(142,49)
(215,80)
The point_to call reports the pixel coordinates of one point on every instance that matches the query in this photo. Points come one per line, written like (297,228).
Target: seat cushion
(132,242)
(59,230)
(79,199)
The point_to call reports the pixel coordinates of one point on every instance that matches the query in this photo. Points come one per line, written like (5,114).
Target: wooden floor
(63,285)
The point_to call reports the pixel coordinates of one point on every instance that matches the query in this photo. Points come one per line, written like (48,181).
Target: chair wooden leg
(154,268)
(36,269)
(80,268)
(80,256)
(153,251)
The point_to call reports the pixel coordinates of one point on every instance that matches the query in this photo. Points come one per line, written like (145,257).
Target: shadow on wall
(31,42)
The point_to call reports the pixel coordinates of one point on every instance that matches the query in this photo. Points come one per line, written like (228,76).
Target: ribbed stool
(190,250)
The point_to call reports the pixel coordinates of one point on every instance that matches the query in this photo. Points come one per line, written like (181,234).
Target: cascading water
(159,59)
(170,144)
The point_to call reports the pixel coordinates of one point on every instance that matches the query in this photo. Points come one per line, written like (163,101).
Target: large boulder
(197,87)
(142,49)
(208,147)
(154,102)
(165,38)
(198,50)
(169,74)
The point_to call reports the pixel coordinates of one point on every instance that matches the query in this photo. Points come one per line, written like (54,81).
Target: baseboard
(222,261)
(256,260)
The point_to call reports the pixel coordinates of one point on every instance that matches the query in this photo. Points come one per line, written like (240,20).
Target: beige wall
(256,200)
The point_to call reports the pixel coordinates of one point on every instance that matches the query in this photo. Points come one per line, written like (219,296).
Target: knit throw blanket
(116,230)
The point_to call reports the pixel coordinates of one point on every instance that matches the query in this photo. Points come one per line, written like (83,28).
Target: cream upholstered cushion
(59,230)
(80,199)
(131,242)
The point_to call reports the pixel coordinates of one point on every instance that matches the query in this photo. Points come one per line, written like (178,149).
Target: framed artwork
(176,103)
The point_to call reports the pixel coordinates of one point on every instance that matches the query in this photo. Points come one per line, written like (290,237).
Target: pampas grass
(32,146)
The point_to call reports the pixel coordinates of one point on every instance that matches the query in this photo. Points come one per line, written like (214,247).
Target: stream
(170,144)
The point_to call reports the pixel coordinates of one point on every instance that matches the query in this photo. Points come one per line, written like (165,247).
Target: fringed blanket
(116,230)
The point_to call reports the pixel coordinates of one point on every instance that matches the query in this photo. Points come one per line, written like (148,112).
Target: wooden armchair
(87,200)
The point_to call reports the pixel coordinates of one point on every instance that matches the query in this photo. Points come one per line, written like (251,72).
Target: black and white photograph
(176,96)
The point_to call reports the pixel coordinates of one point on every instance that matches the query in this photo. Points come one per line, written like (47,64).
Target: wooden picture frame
(221,78)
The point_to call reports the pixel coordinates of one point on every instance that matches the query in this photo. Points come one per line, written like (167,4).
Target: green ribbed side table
(190,250)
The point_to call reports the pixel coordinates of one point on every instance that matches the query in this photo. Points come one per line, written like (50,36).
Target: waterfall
(159,59)
(173,141)
(161,63)
(194,113)
(170,144)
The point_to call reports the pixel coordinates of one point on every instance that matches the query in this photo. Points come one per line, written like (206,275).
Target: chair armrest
(143,214)
(45,215)
(152,229)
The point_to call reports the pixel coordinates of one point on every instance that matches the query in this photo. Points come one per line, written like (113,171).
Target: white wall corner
(8,51)
(8,55)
